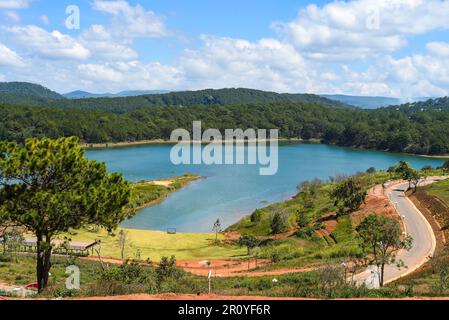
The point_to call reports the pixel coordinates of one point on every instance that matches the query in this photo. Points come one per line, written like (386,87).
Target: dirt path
(221,267)
(234,268)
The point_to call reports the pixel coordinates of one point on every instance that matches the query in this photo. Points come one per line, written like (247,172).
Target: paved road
(417,227)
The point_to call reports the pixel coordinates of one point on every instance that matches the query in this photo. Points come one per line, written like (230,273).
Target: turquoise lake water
(230,192)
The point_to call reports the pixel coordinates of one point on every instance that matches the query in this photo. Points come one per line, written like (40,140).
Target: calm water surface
(231,192)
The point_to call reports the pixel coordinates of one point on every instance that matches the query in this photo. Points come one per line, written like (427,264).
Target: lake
(230,192)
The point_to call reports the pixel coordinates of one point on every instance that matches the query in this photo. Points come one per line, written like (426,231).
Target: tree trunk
(40,263)
(43,264)
(47,261)
(381,276)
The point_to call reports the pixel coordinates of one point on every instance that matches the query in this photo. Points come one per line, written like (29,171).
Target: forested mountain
(28,89)
(192,98)
(127,101)
(132,93)
(393,129)
(440,104)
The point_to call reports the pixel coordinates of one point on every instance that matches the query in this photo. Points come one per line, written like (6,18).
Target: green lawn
(157,244)
(21,269)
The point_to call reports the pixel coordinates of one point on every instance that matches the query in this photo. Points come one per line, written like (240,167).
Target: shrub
(256,216)
(5,258)
(279,223)
(305,233)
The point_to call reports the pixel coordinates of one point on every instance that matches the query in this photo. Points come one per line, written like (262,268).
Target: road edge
(431,251)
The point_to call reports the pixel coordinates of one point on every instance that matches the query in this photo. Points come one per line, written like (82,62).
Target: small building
(63,247)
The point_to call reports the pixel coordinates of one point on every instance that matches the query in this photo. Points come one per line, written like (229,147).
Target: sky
(396,48)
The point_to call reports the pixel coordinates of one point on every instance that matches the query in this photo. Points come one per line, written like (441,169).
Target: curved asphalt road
(417,227)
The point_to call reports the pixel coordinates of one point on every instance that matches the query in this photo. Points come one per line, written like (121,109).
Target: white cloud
(49,44)
(44,19)
(268,64)
(302,59)
(132,74)
(440,49)
(100,72)
(14,4)
(132,21)
(418,75)
(99,41)
(2,78)
(12,16)
(10,58)
(359,29)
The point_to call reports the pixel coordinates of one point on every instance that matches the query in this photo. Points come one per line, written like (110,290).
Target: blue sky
(362,47)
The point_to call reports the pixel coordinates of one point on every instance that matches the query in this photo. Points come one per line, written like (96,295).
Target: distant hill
(26,88)
(367,102)
(364,102)
(206,97)
(20,93)
(26,93)
(85,95)
(439,104)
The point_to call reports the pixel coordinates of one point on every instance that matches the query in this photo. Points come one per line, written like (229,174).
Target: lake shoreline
(233,192)
(168,142)
(113,145)
(171,185)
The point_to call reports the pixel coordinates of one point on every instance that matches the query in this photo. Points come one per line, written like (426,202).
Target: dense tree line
(393,129)
(29,94)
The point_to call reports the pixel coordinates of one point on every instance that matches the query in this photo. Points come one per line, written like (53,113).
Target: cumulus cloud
(440,49)
(9,57)
(132,21)
(49,44)
(418,75)
(348,47)
(134,74)
(269,63)
(359,29)
(99,41)
(100,72)
(14,4)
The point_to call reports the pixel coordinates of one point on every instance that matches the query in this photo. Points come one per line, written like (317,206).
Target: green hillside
(383,129)
(24,92)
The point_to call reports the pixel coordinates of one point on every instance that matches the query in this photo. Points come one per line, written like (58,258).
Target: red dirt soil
(377,202)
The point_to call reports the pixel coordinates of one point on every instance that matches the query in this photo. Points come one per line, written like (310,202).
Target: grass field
(157,244)
(439,190)
(146,244)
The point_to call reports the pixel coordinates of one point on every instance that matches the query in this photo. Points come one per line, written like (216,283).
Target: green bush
(305,233)
(256,216)
(5,258)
